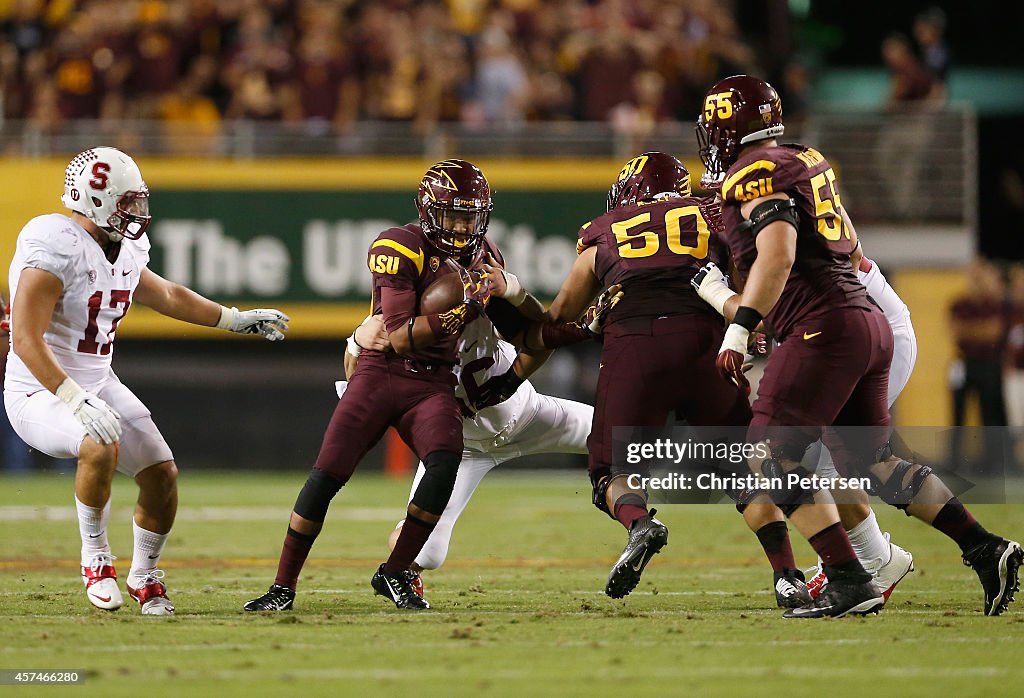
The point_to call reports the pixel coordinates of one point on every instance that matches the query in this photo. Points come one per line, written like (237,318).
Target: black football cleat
(839,599)
(647,536)
(790,589)
(400,588)
(277,598)
(997,563)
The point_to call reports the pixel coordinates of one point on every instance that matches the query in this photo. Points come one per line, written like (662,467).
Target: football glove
(5,323)
(593,319)
(100,420)
(731,356)
(266,322)
(476,288)
(712,286)
(497,389)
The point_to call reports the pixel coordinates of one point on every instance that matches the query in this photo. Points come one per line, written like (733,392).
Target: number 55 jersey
(97,293)
(821,278)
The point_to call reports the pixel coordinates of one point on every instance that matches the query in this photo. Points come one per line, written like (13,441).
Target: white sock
(92,526)
(871,546)
(146,557)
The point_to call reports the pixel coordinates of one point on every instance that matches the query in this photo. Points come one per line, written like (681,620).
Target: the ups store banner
(294,233)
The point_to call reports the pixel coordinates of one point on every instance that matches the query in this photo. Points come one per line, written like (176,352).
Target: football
(443,294)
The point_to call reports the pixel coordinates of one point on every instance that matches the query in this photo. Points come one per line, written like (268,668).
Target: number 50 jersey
(96,295)
(653,249)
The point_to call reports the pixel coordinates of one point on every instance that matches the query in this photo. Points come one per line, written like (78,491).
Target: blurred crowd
(323,64)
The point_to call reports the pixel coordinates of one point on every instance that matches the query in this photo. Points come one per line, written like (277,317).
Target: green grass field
(519,608)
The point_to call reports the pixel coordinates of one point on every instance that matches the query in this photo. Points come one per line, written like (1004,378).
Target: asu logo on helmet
(454,204)
(737,110)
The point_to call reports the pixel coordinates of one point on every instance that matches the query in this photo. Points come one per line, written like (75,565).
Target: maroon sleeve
(398,305)
(396,259)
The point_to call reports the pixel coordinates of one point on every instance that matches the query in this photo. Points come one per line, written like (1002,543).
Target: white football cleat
(100,580)
(901,563)
(152,595)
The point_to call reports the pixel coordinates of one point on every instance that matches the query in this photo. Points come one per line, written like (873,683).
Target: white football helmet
(106,186)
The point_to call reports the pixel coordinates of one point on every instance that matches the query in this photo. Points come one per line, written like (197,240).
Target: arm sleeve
(506,318)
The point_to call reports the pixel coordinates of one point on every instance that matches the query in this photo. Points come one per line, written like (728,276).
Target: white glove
(712,287)
(267,322)
(100,420)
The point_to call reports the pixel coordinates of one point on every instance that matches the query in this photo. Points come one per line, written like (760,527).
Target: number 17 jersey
(96,295)
(653,249)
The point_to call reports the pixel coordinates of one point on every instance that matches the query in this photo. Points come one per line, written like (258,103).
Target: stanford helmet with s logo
(106,186)
(454,204)
(646,176)
(737,110)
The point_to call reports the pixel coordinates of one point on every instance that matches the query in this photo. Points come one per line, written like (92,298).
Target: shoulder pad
(401,244)
(55,232)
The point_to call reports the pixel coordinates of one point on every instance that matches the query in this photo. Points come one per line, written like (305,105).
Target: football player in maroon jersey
(410,388)
(651,240)
(791,238)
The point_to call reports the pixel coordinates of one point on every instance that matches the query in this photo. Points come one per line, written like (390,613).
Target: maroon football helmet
(454,203)
(737,110)
(646,176)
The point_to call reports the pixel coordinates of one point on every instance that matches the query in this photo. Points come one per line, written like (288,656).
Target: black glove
(497,389)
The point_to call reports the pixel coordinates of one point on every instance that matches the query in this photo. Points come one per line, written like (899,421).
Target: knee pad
(893,492)
(600,494)
(435,488)
(316,496)
(786,498)
(743,497)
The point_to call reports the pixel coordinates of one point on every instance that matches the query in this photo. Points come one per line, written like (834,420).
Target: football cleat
(790,590)
(901,563)
(400,588)
(152,595)
(997,563)
(100,580)
(647,536)
(277,598)
(839,599)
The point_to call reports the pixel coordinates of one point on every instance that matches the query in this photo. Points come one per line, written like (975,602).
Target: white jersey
(482,355)
(895,310)
(96,295)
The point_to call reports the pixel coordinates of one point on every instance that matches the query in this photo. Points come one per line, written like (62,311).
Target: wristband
(717,297)
(736,337)
(68,391)
(227,318)
(352,346)
(747,318)
(514,291)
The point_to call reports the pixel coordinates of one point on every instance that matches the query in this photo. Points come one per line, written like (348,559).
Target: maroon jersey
(653,249)
(405,260)
(821,278)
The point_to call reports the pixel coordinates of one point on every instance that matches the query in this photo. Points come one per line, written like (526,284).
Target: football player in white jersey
(505,416)
(72,280)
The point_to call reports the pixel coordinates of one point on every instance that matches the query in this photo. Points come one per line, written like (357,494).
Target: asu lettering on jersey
(821,277)
(653,249)
(96,295)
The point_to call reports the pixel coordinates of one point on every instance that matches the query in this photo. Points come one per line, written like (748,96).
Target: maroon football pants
(831,371)
(654,368)
(384,392)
